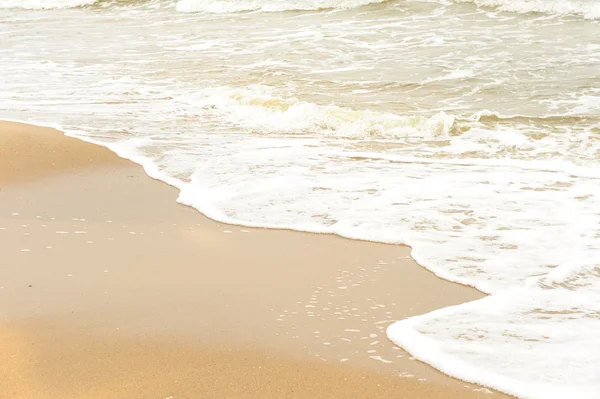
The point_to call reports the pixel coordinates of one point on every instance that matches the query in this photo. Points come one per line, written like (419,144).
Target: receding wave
(589,9)
(233,6)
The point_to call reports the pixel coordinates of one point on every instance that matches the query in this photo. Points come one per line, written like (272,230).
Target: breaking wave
(257,109)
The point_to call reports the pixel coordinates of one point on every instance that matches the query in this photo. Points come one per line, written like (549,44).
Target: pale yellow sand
(109,289)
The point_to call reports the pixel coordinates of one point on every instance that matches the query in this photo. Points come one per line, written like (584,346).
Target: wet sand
(109,288)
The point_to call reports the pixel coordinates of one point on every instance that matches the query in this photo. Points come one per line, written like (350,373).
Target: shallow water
(469,131)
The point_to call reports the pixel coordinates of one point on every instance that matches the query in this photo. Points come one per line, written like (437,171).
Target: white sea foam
(44,4)
(233,6)
(587,8)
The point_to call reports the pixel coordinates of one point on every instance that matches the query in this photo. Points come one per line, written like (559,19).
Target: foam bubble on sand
(379,358)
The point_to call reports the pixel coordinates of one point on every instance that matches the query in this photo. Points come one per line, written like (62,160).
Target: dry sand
(110,289)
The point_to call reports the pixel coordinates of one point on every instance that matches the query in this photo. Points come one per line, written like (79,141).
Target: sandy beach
(111,289)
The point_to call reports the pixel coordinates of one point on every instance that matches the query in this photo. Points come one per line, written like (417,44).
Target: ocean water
(469,130)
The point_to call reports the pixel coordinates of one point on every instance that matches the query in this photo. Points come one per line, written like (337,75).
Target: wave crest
(259,110)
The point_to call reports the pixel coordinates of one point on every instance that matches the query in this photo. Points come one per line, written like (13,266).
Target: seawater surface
(469,130)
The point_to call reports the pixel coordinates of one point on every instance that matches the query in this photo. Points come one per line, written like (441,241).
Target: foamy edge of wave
(403,333)
(444,352)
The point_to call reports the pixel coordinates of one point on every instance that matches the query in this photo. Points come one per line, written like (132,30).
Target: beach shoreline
(104,270)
